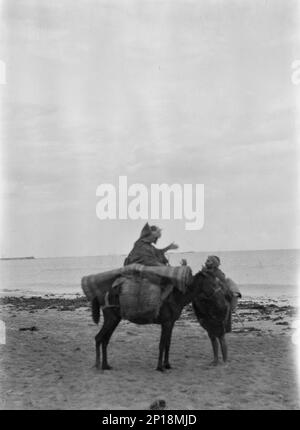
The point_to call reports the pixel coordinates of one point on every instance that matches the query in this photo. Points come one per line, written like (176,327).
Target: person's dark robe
(144,252)
(211,311)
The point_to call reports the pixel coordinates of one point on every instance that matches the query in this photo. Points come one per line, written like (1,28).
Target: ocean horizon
(210,252)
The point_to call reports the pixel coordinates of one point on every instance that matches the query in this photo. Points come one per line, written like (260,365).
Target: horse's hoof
(168,366)
(214,363)
(160,369)
(106,367)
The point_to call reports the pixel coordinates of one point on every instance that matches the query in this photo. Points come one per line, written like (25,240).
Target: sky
(163,91)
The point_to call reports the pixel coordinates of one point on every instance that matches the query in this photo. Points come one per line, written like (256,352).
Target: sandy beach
(47,361)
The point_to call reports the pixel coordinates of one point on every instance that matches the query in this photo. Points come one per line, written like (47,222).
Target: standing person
(144,252)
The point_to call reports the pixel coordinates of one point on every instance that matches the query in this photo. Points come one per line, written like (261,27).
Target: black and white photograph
(149,206)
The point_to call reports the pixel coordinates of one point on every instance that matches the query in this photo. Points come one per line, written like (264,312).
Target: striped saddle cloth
(96,286)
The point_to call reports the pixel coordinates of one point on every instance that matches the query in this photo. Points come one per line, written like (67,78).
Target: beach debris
(246,330)
(239,318)
(33,328)
(32,303)
(158,405)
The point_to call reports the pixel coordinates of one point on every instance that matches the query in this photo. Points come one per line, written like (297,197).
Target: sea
(265,275)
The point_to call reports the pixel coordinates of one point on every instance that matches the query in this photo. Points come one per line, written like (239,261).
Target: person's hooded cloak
(144,252)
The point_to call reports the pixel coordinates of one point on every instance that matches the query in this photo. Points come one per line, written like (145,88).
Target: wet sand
(47,361)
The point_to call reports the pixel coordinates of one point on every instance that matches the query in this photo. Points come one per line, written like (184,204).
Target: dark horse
(170,311)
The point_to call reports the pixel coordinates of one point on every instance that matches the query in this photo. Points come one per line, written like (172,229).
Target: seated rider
(144,252)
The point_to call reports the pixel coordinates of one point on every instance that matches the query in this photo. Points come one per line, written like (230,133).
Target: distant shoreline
(17,258)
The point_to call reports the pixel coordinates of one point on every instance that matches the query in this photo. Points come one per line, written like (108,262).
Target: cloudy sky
(164,91)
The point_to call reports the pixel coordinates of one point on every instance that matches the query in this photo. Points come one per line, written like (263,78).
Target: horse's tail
(88,289)
(95,310)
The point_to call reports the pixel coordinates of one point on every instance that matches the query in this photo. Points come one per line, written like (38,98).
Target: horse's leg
(107,324)
(167,347)
(98,338)
(224,348)
(165,328)
(113,325)
(215,347)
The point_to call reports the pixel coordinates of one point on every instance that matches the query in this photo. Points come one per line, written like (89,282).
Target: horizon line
(171,252)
